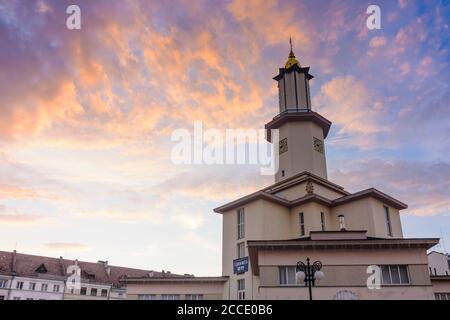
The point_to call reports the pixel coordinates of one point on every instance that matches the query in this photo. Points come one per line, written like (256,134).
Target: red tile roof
(25,265)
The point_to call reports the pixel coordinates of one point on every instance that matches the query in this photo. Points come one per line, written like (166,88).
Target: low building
(175,288)
(31,277)
(439,267)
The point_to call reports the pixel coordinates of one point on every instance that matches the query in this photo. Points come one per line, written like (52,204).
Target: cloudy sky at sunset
(86,117)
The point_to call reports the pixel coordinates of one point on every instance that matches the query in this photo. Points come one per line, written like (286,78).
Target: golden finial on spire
(291,60)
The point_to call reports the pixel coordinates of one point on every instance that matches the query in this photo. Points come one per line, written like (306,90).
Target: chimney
(341,222)
(62,267)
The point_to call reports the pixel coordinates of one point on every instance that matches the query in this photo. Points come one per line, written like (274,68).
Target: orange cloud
(349,103)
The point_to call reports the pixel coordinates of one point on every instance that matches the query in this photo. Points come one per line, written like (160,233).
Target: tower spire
(291,60)
(290,42)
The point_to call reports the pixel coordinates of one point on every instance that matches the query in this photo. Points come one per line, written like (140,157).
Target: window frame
(322,220)
(173,297)
(387,218)
(397,269)
(240,223)
(83,291)
(32,286)
(240,250)
(283,276)
(241,289)
(91,293)
(146,296)
(19,285)
(44,287)
(301,218)
(56,288)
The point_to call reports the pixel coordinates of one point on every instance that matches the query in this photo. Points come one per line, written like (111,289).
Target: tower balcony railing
(292,110)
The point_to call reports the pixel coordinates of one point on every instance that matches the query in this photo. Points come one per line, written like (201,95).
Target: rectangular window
(240,223)
(241,289)
(32,286)
(56,288)
(302,223)
(442,296)
(388,221)
(322,220)
(19,285)
(44,287)
(194,297)
(16,298)
(146,296)
(3,283)
(83,291)
(394,275)
(287,275)
(240,250)
(170,297)
(94,292)
(104,292)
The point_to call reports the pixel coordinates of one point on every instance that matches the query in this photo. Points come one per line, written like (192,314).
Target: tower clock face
(318,145)
(283,145)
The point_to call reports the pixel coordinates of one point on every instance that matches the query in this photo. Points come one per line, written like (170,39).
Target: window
(282,173)
(241,289)
(394,275)
(442,296)
(170,297)
(322,220)
(240,223)
(241,250)
(44,287)
(56,288)
(29,298)
(94,292)
(388,221)
(287,275)
(19,285)
(104,292)
(2,297)
(146,296)
(3,283)
(194,297)
(32,286)
(302,223)
(83,291)
(16,298)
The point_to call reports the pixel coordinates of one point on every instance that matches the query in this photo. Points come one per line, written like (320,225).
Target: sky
(86,117)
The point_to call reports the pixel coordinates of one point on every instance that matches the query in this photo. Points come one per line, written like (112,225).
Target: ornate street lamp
(308,273)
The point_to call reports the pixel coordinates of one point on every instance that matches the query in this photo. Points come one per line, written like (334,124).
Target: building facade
(30,277)
(439,268)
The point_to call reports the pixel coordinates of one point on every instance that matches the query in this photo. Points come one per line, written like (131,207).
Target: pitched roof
(312,197)
(26,265)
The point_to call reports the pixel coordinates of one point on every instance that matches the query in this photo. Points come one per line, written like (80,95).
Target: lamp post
(308,273)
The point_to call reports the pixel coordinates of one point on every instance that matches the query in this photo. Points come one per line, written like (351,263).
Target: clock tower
(302,131)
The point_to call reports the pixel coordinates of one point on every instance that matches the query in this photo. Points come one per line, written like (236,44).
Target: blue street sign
(240,265)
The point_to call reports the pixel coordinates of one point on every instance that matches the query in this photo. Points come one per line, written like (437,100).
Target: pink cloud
(425,187)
